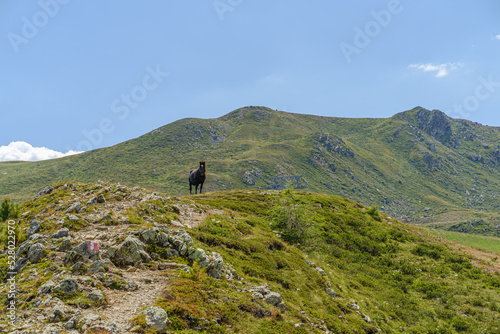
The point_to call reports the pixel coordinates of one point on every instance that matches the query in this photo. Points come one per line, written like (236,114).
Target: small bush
(8,210)
(373,211)
(290,217)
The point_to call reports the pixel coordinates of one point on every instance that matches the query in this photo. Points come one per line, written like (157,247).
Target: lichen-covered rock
(150,235)
(23,248)
(320,271)
(257,295)
(74,208)
(63,244)
(130,252)
(44,191)
(71,323)
(96,295)
(58,312)
(157,319)
(34,227)
(61,233)
(87,250)
(273,298)
(97,266)
(198,254)
(20,264)
(36,253)
(66,287)
(45,288)
(215,265)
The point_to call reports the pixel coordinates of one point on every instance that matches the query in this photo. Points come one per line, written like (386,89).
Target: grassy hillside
(339,266)
(417,164)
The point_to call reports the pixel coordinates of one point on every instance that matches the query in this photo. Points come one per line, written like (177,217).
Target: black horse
(197,177)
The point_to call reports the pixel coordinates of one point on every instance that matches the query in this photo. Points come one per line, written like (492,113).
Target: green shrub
(8,210)
(290,216)
(373,211)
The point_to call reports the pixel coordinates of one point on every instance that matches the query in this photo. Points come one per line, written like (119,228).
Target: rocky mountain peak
(435,123)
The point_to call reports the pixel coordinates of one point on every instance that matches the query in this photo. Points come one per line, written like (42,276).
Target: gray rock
(50,329)
(92,201)
(476,158)
(130,252)
(58,312)
(61,233)
(162,239)
(150,235)
(257,295)
(320,271)
(435,123)
(330,292)
(74,208)
(157,319)
(170,253)
(215,265)
(23,249)
(96,295)
(45,288)
(72,217)
(44,191)
(67,287)
(64,244)
(34,227)
(36,253)
(71,323)
(20,264)
(198,254)
(273,298)
(101,199)
(85,250)
(78,266)
(262,289)
(97,266)
(367,319)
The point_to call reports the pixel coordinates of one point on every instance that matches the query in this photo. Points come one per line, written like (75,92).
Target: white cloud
(22,151)
(441,70)
(497,36)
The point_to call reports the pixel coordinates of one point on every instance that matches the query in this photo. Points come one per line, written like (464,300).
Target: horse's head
(202,168)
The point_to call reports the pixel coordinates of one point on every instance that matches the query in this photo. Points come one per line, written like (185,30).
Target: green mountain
(104,258)
(414,165)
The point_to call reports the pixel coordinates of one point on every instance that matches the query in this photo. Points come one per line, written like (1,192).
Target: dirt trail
(124,305)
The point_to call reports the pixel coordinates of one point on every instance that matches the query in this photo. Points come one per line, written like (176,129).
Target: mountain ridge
(414,164)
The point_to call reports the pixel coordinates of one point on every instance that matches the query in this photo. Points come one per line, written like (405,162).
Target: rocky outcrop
(250,176)
(435,123)
(334,145)
(476,158)
(44,191)
(34,228)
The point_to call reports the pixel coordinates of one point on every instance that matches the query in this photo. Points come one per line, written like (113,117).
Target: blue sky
(80,75)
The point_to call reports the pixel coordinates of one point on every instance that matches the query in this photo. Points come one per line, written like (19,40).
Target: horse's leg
(190,187)
(195,189)
(201,187)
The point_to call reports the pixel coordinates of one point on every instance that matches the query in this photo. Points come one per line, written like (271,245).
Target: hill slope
(356,270)
(418,163)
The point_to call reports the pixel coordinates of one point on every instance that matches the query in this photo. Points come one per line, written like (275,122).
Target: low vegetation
(338,265)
